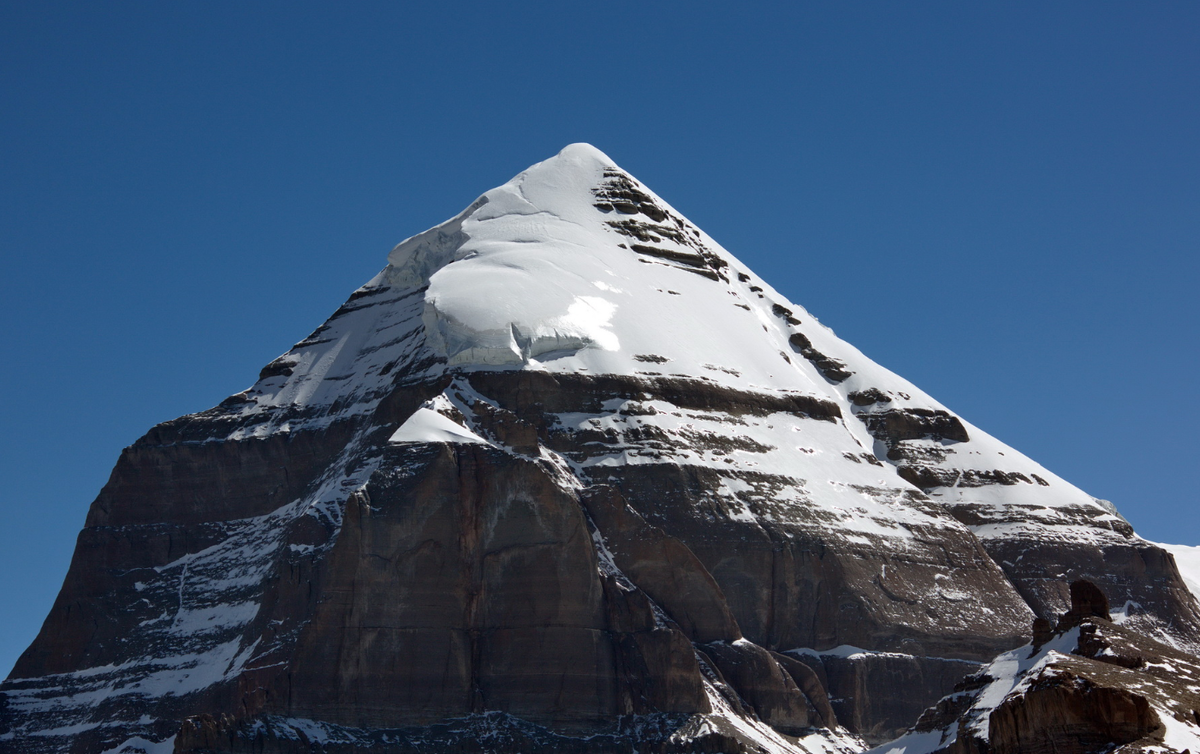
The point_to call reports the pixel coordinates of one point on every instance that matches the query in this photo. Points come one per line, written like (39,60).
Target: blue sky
(1001,202)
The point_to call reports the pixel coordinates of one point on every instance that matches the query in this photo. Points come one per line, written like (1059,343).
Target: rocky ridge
(565,475)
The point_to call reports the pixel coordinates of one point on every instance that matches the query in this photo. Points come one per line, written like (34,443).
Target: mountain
(564,476)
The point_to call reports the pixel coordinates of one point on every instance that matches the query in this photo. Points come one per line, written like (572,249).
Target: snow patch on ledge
(429,425)
(851,652)
(139,745)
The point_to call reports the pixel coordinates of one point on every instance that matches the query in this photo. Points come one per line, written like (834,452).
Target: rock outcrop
(1091,686)
(564,476)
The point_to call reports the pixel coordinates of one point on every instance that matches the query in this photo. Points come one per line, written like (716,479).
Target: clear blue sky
(999,201)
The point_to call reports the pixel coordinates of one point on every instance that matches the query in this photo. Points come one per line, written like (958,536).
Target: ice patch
(916,743)
(139,745)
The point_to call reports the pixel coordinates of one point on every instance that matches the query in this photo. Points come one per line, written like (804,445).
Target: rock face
(564,476)
(856,681)
(1091,686)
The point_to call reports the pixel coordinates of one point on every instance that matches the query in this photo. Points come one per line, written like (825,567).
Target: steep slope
(567,460)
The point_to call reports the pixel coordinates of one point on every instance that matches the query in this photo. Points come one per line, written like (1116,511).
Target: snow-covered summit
(576,267)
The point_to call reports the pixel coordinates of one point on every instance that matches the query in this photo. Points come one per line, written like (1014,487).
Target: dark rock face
(893,426)
(832,369)
(853,683)
(777,575)
(157,507)
(465,579)
(810,682)
(466,586)
(1087,601)
(1138,575)
(663,567)
(763,683)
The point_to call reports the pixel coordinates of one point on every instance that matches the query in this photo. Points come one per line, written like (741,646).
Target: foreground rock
(1085,686)
(564,475)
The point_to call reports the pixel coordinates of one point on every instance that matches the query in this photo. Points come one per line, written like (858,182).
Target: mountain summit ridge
(567,460)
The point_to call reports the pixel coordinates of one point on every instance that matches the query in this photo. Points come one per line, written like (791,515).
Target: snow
(520,290)
(139,745)
(851,652)
(864,498)
(916,743)
(1179,736)
(768,740)
(531,276)
(1010,667)
(214,617)
(1188,560)
(174,675)
(427,425)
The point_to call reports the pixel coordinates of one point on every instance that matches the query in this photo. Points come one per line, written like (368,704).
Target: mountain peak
(561,185)
(563,267)
(580,150)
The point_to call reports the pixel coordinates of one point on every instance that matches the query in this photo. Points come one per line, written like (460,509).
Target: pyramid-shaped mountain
(564,476)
